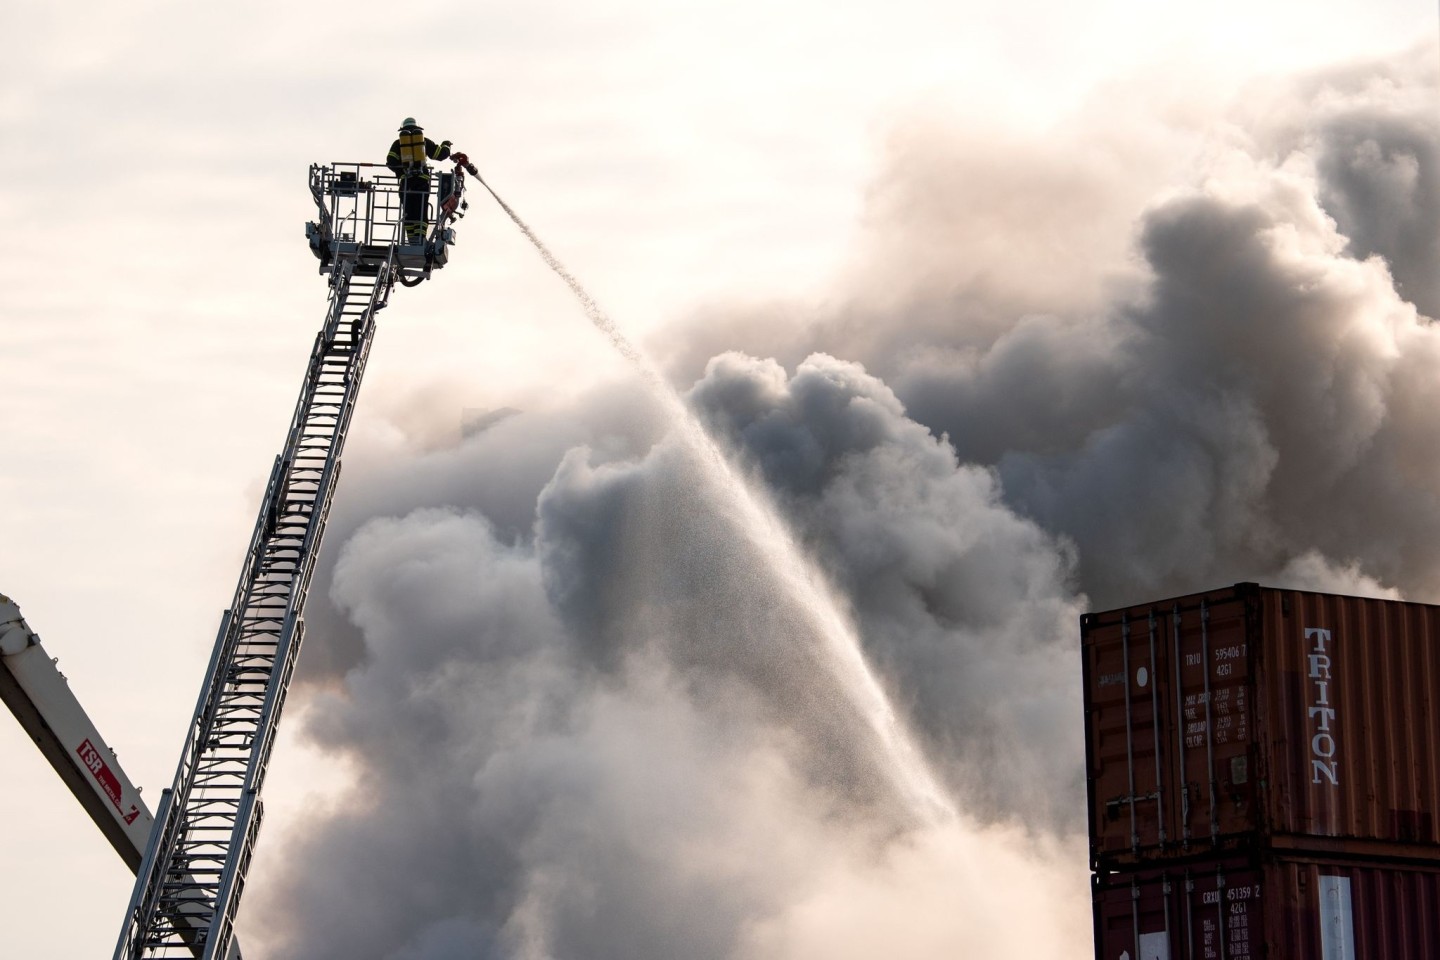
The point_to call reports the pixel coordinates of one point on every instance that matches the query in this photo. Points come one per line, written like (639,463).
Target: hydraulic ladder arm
(194,869)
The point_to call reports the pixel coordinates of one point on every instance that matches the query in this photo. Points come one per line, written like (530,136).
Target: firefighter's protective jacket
(410,150)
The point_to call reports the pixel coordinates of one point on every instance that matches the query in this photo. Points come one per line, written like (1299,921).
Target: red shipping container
(1279,907)
(1250,715)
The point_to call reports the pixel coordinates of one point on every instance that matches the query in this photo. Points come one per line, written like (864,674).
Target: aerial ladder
(190,880)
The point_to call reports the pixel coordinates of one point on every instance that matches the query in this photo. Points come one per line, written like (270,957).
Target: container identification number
(1244,892)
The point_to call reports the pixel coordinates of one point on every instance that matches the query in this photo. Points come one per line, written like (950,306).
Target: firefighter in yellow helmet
(407,160)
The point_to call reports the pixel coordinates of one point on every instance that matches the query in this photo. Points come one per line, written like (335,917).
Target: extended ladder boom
(208,820)
(199,853)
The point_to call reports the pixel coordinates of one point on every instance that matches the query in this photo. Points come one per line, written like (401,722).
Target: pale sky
(159,300)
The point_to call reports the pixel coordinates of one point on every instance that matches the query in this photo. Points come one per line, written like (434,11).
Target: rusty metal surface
(1299,720)
(1275,907)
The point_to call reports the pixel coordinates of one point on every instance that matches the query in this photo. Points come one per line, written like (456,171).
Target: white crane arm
(36,692)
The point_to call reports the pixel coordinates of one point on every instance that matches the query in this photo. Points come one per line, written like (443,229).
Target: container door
(1169,700)
(1125,670)
(1212,722)
(1199,912)
(1135,918)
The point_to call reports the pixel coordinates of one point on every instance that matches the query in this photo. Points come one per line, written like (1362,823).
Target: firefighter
(407,159)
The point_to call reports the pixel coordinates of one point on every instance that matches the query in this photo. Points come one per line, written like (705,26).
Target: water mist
(759,522)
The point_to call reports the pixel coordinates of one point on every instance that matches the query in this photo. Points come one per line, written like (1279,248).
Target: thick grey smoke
(623,744)
(1242,381)
(965,606)
(583,722)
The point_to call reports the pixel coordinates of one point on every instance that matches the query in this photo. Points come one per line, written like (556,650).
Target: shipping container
(1251,717)
(1276,907)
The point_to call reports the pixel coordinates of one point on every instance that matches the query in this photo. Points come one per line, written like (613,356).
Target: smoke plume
(582,720)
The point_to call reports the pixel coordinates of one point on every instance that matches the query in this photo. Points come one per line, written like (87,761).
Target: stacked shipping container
(1280,906)
(1277,742)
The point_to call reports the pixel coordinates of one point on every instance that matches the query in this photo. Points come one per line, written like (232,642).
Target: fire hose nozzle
(463,161)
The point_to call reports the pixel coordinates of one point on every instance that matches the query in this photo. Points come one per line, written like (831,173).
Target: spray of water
(760,523)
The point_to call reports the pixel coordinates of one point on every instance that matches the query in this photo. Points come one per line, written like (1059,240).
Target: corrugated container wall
(1278,907)
(1249,715)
